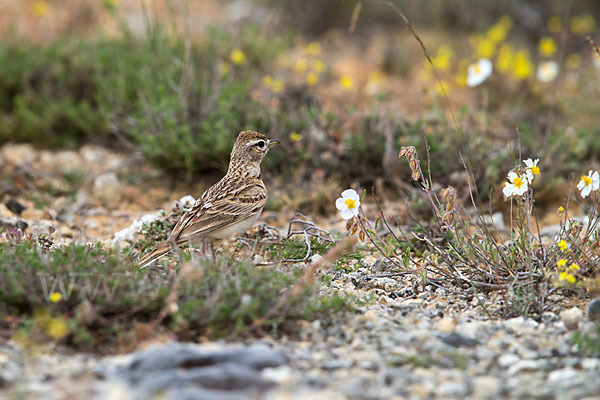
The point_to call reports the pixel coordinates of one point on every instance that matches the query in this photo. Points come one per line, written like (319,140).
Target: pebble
(593,310)
(571,317)
(108,189)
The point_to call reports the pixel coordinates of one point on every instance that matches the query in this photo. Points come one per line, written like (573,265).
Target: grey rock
(593,310)
(457,340)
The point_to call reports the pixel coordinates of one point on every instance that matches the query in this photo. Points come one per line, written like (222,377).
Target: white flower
(348,204)
(588,183)
(129,232)
(478,72)
(547,71)
(516,187)
(186,201)
(532,169)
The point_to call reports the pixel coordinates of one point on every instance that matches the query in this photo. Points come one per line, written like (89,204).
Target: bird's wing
(218,209)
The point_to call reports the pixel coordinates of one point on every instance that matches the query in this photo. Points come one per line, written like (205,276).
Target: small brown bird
(230,206)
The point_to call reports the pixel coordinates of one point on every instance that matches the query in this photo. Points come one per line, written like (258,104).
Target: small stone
(446,325)
(452,389)
(108,190)
(487,387)
(571,317)
(14,206)
(562,375)
(496,220)
(593,310)
(590,363)
(549,317)
(526,366)
(368,261)
(457,340)
(508,359)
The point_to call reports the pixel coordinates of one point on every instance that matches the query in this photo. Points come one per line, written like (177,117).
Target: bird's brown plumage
(227,207)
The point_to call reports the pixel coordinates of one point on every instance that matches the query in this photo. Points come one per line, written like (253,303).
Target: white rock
(571,317)
(590,363)
(107,189)
(452,388)
(562,375)
(496,220)
(486,387)
(526,365)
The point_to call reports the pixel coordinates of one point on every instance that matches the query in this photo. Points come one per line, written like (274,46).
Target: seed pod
(403,152)
(361,236)
(354,229)
(415,175)
(349,223)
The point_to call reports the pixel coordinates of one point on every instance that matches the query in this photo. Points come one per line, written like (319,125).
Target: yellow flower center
(518,182)
(586,180)
(476,69)
(350,203)
(535,170)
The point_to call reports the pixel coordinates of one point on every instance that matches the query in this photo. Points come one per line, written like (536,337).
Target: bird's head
(249,150)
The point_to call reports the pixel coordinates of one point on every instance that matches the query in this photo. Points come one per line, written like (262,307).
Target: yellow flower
(485,48)
(267,81)
(562,244)
(57,328)
(55,297)
(574,61)
(347,83)
(561,263)
(547,46)
(554,24)
(441,62)
(442,87)
(461,79)
(522,68)
(312,79)
(295,137)
(237,57)
(571,278)
(318,66)
(301,65)
(277,85)
(40,8)
(442,59)
(313,49)
(574,267)
(504,62)
(497,33)
(563,276)
(582,25)
(561,209)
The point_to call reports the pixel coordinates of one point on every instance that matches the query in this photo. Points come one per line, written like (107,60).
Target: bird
(229,207)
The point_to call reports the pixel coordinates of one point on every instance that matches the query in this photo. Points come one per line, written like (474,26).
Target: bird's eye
(260,143)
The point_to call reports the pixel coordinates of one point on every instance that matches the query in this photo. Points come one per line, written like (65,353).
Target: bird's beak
(273,142)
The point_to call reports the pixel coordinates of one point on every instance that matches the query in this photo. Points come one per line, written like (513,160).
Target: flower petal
(340,204)
(347,214)
(348,193)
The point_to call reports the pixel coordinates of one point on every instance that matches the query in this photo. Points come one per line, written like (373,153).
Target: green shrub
(89,296)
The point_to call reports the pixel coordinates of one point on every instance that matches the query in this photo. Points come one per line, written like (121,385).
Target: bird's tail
(160,251)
